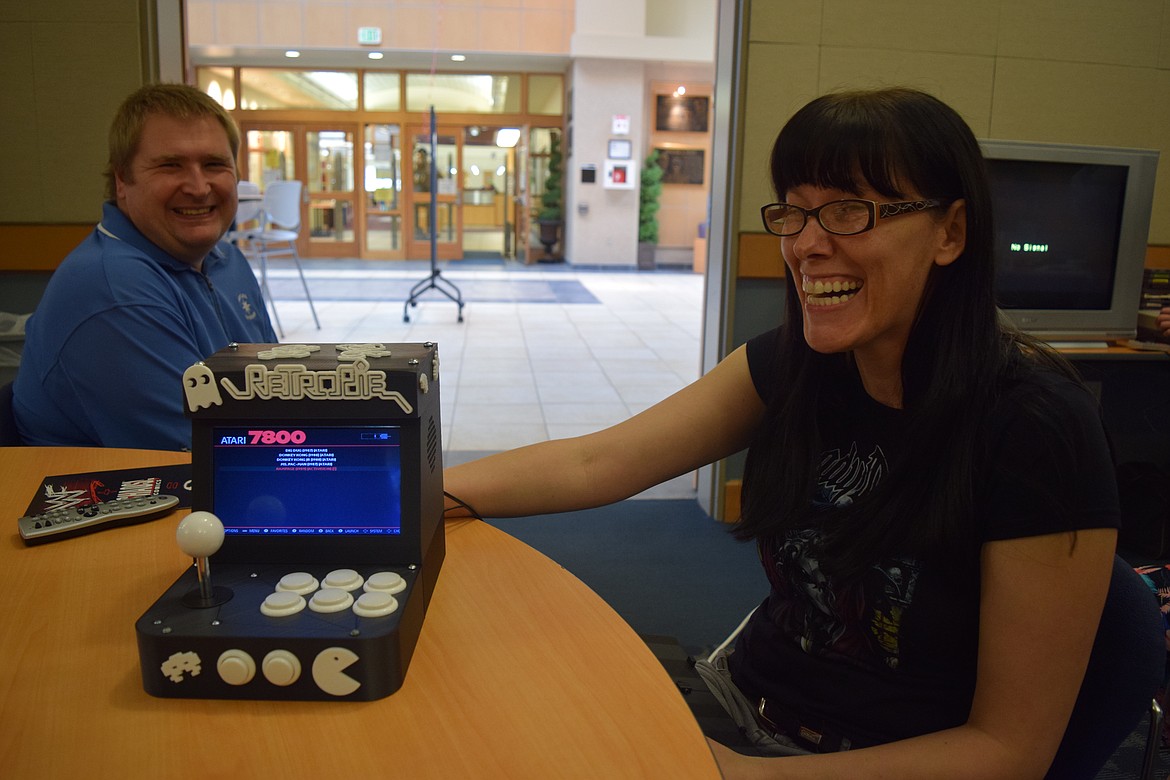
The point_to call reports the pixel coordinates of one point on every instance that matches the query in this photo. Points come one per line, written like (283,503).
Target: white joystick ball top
(200,534)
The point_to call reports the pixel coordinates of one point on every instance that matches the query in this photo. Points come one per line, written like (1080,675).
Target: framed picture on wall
(682,113)
(682,166)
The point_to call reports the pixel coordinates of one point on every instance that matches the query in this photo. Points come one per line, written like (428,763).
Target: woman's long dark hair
(956,359)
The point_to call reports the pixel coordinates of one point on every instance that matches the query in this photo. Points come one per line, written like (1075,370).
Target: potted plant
(650,192)
(551,214)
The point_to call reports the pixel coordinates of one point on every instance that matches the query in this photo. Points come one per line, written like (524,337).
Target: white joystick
(200,535)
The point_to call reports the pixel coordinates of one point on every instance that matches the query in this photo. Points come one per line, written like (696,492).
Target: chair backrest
(1124,673)
(251,204)
(9,436)
(282,204)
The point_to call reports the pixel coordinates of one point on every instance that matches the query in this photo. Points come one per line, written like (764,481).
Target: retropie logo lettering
(293,382)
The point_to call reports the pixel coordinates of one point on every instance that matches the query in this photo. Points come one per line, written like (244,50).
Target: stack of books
(1155,289)
(1155,295)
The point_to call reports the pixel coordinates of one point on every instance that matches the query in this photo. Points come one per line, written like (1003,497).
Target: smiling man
(153,290)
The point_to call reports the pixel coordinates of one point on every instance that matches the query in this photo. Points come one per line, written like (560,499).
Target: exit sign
(370,36)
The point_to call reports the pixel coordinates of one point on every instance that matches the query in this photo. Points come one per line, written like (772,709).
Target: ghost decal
(200,387)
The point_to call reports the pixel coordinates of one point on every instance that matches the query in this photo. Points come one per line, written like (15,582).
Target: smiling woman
(911,465)
(888,268)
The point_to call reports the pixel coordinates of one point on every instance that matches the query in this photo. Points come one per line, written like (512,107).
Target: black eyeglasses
(841,217)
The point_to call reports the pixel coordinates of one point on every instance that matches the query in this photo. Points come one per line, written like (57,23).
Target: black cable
(464,504)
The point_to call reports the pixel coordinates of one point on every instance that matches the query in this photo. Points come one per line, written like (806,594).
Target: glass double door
(371,191)
(323,158)
(469,194)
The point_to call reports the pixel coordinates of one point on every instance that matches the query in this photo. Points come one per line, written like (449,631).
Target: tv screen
(1071,228)
(308,480)
(1057,227)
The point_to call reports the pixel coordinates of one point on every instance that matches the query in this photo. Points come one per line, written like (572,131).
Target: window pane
(383,166)
(382,92)
(546,95)
(463,93)
(383,185)
(270,156)
(324,89)
(330,160)
(217,82)
(330,221)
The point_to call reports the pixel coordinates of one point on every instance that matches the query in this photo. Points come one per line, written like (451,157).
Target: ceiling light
(458,57)
(375,55)
(507,137)
(292,54)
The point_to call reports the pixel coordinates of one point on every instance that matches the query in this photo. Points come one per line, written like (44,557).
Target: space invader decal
(200,387)
(361,351)
(280,351)
(180,664)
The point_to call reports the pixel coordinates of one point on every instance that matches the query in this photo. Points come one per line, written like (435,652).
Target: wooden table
(520,672)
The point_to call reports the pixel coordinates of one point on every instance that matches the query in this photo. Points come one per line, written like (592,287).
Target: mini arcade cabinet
(323,464)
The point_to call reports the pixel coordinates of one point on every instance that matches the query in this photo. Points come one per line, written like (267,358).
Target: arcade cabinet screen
(308,480)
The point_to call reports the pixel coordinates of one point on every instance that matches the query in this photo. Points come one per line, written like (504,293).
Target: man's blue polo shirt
(119,323)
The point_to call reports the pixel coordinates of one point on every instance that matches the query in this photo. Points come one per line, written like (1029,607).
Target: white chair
(250,207)
(280,223)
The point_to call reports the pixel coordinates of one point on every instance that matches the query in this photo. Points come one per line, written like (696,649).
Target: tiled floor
(516,371)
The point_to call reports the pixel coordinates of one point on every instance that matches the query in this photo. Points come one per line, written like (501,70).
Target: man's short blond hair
(180,101)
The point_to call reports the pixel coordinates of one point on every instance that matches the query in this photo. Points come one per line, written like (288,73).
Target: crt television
(1071,228)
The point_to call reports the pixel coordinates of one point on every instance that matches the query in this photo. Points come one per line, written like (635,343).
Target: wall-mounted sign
(621,124)
(370,36)
(620,149)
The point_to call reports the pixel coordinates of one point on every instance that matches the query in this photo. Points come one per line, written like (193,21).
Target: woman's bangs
(837,152)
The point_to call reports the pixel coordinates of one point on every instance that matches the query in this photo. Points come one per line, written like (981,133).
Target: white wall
(618,48)
(677,30)
(602,224)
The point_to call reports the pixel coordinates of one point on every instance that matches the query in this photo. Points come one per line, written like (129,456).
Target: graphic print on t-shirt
(859,622)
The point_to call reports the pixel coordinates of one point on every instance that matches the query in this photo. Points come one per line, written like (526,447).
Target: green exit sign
(370,36)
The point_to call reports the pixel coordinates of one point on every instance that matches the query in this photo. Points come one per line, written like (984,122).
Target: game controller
(273,631)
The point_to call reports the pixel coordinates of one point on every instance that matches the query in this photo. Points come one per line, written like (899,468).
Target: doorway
(490,194)
(436,191)
(321,156)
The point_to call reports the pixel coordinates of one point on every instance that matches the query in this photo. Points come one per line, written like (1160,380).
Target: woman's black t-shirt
(894,655)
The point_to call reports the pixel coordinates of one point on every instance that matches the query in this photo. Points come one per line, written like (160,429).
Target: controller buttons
(282,604)
(236,667)
(298,582)
(344,579)
(330,600)
(281,668)
(375,604)
(386,582)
